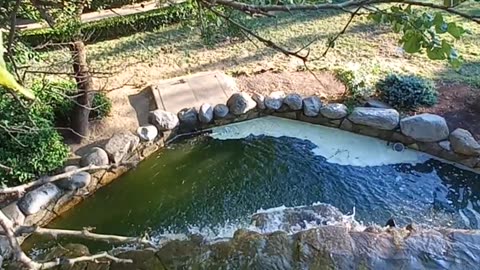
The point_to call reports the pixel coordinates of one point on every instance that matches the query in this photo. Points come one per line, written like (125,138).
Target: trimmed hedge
(105,4)
(114,27)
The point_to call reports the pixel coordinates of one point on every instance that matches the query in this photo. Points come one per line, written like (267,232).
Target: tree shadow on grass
(176,36)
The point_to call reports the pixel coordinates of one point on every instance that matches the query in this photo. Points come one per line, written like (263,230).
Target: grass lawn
(177,50)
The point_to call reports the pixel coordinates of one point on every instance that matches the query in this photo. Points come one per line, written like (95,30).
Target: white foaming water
(337,146)
(275,222)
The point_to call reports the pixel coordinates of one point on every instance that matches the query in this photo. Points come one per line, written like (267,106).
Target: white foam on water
(336,145)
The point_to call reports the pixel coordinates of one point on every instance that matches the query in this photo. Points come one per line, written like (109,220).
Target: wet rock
(390,223)
(141,260)
(70,250)
(334,111)
(274,101)
(147,133)
(425,127)
(240,103)
(220,111)
(311,106)
(38,199)
(163,120)
(14,214)
(260,100)
(120,144)
(95,156)
(445,145)
(205,114)
(386,119)
(294,101)
(463,142)
(75,182)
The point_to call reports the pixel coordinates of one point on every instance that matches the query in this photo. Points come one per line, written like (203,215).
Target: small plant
(359,86)
(101,106)
(407,92)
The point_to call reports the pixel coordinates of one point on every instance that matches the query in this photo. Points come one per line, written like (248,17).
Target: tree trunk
(84,85)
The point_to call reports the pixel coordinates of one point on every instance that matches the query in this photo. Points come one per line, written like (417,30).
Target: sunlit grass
(176,50)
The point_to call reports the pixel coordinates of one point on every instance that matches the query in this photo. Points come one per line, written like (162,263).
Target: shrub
(102,106)
(407,92)
(113,27)
(359,86)
(30,144)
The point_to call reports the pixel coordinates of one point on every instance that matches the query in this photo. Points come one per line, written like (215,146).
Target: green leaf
(412,42)
(455,62)
(438,19)
(455,30)
(436,53)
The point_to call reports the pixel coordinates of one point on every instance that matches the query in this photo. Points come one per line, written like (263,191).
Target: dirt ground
(323,84)
(460,105)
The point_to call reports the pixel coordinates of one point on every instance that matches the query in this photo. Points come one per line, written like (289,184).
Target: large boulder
(386,119)
(463,142)
(147,133)
(120,145)
(95,156)
(274,101)
(38,199)
(311,106)
(240,103)
(12,211)
(74,182)
(220,111)
(163,120)
(294,101)
(260,100)
(205,114)
(425,127)
(334,111)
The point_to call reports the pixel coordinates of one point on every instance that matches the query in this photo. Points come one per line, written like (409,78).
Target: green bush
(113,27)
(359,86)
(407,92)
(101,105)
(30,144)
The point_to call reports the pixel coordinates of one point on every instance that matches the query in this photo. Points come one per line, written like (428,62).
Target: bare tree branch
(48,179)
(83,234)
(13,22)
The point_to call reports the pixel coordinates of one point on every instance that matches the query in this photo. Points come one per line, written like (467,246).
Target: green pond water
(210,186)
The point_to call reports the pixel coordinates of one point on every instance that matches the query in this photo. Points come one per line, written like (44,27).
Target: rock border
(428,133)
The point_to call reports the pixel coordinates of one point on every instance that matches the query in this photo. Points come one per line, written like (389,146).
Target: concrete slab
(212,87)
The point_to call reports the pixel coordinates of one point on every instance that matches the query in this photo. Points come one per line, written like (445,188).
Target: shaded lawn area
(176,50)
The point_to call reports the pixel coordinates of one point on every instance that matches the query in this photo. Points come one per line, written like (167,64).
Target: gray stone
(220,111)
(205,114)
(334,111)
(445,145)
(294,101)
(163,120)
(347,125)
(425,127)
(274,101)
(38,199)
(70,168)
(386,119)
(311,106)
(188,116)
(120,144)
(95,156)
(14,214)
(463,142)
(377,104)
(240,103)
(260,100)
(147,133)
(76,181)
